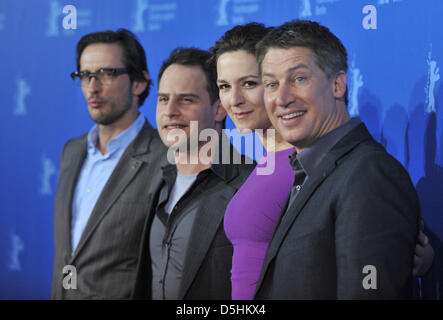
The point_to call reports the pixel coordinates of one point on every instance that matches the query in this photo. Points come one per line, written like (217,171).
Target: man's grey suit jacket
(351,231)
(106,256)
(207,267)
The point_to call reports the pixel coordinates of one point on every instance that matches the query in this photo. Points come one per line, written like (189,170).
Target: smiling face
(302,103)
(241,90)
(183,97)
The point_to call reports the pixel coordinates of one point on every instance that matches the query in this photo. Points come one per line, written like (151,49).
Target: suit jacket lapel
(290,214)
(206,223)
(76,159)
(135,156)
(142,288)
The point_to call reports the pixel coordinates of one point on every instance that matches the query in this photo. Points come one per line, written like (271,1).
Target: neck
(197,160)
(187,169)
(272,140)
(191,163)
(108,132)
(335,121)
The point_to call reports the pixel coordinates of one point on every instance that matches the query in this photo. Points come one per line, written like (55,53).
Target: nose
(171,109)
(94,85)
(284,96)
(237,98)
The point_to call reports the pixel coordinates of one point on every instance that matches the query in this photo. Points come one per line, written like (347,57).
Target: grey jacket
(106,256)
(356,216)
(207,267)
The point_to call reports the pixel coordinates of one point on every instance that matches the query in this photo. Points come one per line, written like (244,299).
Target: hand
(424,254)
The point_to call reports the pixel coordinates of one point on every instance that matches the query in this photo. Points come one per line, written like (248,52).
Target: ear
(339,85)
(220,112)
(139,86)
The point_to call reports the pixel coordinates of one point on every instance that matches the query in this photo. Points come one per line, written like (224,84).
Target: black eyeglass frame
(114,72)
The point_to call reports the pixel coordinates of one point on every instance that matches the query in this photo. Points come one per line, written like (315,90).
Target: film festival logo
(305,11)
(222,13)
(48,170)
(202,147)
(319,8)
(16,248)
(433,77)
(23,90)
(236,13)
(382,2)
(356,84)
(157,15)
(139,23)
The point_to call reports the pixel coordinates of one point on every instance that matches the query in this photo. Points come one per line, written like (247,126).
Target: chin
(179,144)
(292,139)
(244,129)
(102,120)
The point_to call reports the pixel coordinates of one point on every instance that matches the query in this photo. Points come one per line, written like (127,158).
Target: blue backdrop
(395,50)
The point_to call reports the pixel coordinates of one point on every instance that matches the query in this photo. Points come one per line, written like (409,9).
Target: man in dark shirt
(185,253)
(349,228)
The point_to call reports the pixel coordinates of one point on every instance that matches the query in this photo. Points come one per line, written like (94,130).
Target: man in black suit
(106,175)
(185,253)
(349,227)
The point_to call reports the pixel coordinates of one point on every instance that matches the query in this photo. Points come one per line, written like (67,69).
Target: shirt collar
(119,142)
(311,157)
(222,170)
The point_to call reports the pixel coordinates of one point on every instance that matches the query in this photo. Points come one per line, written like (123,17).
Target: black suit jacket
(358,209)
(106,256)
(207,266)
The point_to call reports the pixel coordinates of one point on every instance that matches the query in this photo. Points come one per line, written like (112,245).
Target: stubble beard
(114,114)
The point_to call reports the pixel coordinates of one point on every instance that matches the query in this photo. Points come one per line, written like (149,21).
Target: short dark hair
(241,37)
(329,53)
(134,57)
(194,57)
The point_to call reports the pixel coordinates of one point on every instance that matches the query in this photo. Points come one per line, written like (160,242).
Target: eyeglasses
(104,76)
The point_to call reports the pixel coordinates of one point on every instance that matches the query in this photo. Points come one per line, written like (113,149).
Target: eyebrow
(181,95)
(289,71)
(87,70)
(242,78)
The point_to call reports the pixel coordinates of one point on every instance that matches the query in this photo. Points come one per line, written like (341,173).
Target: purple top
(250,219)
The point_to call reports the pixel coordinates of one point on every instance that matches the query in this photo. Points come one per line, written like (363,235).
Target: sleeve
(56,274)
(376,226)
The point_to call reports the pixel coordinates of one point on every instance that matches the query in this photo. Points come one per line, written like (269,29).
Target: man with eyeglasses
(105,175)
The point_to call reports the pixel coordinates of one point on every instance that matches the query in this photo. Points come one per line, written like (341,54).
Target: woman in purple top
(253,212)
(250,219)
